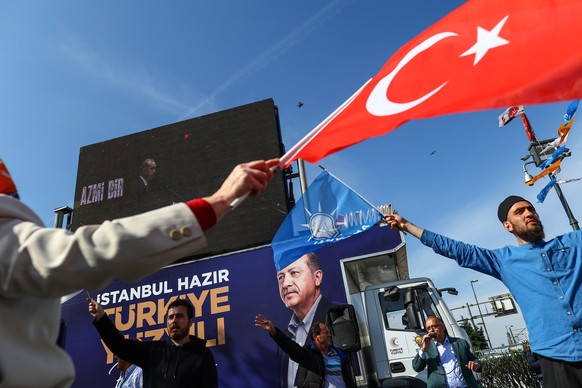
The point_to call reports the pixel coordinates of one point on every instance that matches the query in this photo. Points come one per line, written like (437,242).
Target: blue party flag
(570,111)
(328,211)
(557,154)
(544,192)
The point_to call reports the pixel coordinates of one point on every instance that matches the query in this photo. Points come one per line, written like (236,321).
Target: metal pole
(480,313)
(573,222)
(471,316)
(512,337)
(302,175)
(510,340)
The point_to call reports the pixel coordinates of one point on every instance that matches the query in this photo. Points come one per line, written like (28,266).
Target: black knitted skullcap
(507,204)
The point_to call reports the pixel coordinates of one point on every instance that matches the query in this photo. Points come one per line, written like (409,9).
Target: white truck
(390,311)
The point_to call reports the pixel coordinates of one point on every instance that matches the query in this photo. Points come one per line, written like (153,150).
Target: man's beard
(178,335)
(531,235)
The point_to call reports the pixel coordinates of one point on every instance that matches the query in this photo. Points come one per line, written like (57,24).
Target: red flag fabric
(7,185)
(528,129)
(509,114)
(483,55)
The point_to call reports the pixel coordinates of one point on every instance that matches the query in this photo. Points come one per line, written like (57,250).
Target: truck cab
(391,315)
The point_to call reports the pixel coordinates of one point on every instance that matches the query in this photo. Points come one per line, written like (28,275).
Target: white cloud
(131,78)
(272,54)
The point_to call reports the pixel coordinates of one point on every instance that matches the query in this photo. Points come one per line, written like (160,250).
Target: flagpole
(302,175)
(290,155)
(539,158)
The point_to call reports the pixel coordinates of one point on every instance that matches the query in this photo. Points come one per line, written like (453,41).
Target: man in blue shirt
(543,276)
(324,365)
(130,375)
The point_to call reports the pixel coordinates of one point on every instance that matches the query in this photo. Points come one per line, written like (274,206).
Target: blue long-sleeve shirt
(544,278)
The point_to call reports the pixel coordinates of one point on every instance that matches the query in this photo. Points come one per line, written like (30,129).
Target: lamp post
(471,315)
(480,313)
(538,156)
(510,338)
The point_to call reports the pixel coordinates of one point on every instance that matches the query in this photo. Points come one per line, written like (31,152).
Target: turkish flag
(485,54)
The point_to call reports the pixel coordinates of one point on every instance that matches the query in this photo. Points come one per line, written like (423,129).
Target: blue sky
(77,73)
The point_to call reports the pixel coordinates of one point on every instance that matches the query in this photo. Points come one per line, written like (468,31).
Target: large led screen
(181,161)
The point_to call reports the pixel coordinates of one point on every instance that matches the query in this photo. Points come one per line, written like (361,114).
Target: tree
(475,335)
(508,370)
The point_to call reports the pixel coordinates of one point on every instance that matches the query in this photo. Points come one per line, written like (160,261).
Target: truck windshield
(398,317)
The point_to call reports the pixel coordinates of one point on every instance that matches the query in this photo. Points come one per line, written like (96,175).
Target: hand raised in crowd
(95,309)
(474,366)
(245,178)
(265,324)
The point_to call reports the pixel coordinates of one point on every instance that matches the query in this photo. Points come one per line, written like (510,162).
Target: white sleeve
(46,262)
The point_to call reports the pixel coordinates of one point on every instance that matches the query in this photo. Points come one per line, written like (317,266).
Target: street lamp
(539,155)
(527,177)
(480,313)
(510,337)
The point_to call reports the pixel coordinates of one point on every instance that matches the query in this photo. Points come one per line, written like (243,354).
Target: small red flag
(483,55)
(509,114)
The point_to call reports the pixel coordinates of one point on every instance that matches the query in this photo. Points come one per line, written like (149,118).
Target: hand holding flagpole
(234,204)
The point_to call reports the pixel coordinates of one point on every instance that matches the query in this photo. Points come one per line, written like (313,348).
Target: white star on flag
(486,40)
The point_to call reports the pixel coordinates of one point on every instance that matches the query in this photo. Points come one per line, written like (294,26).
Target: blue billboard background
(238,287)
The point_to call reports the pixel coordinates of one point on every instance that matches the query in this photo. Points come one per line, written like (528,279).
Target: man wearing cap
(38,265)
(544,277)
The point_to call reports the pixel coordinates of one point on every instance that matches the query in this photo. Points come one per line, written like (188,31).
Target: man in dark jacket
(450,360)
(181,361)
(325,365)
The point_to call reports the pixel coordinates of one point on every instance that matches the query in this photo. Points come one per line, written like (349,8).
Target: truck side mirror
(411,311)
(392,294)
(450,290)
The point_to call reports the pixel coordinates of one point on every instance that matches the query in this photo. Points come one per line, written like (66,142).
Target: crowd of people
(39,265)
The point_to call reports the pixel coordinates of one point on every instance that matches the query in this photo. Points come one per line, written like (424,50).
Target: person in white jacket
(38,265)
